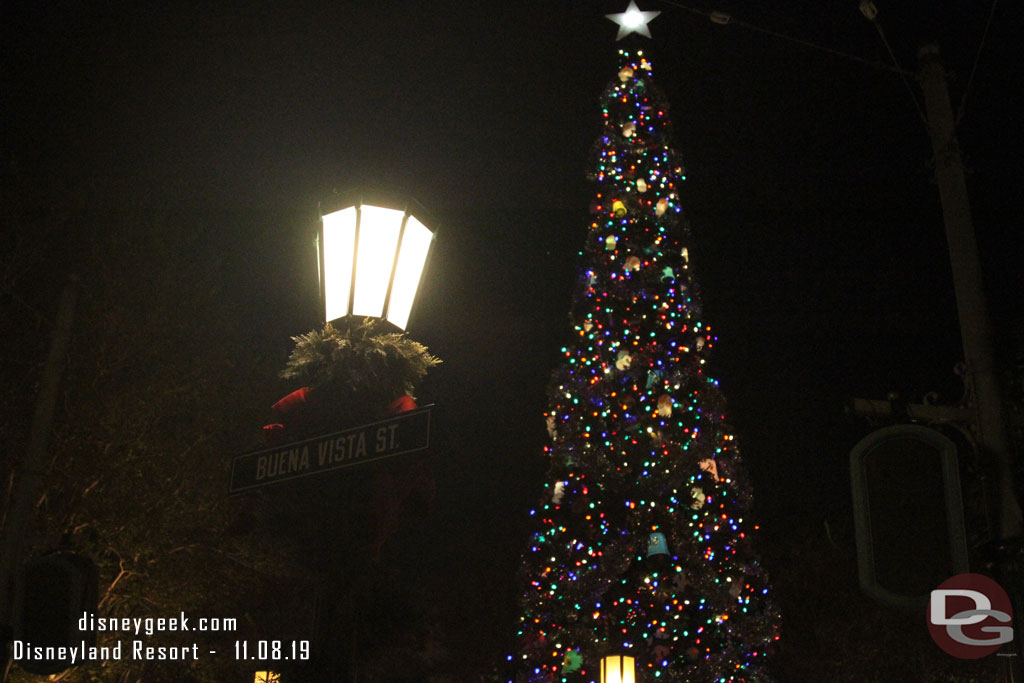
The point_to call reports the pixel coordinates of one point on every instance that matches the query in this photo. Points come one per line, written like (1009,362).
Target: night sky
(820,245)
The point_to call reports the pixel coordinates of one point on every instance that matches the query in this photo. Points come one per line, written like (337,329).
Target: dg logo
(970,616)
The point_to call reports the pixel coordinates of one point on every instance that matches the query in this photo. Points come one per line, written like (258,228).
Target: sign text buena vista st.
(404,433)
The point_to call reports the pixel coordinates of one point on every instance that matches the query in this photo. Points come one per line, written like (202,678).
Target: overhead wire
(723,18)
(871,14)
(974,67)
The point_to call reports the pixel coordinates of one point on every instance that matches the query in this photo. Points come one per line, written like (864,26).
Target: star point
(633,21)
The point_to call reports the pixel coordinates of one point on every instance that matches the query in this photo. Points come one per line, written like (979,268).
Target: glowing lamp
(371,262)
(618,669)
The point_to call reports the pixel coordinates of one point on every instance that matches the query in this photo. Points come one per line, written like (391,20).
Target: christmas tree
(643,542)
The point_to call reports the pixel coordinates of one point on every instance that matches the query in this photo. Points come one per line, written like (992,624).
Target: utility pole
(975,328)
(976,335)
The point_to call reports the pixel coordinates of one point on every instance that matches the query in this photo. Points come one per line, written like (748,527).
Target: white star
(633,21)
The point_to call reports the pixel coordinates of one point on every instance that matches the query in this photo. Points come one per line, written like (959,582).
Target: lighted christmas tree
(643,544)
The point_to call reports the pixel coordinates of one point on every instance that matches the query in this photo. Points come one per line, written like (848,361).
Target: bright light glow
(379,247)
(267,677)
(633,20)
(413,256)
(618,669)
(378,238)
(338,245)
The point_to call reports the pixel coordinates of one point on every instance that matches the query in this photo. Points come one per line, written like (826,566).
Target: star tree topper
(633,21)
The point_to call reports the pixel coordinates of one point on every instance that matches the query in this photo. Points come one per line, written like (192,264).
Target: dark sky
(273,102)
(819,240)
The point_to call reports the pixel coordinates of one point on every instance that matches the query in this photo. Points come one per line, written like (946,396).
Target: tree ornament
(632,263)
(641,186)
(609,244)
(623,360)
(661,207)
(535,641)
(559,493)
(686,255)
(625,73)
(656,544)
(653,377)
(661,652)
(552,432)
(588,325)
(628,129)
(735,589)
(618,208)
(664,405)
(700,343)
(667,274)
(698,498)
(710,466)
(572,662)
(692,653)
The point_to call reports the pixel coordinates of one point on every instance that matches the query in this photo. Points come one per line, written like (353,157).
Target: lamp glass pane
(378,238)
(628,670)
(338,245)
(616,669)
(415,244)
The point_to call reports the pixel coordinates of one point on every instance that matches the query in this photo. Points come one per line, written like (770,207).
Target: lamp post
(371,261)
(618,669)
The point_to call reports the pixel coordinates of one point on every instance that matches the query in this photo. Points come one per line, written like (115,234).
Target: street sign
(404,433)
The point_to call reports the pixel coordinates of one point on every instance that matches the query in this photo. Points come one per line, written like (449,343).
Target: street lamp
(618,669)
(371,261)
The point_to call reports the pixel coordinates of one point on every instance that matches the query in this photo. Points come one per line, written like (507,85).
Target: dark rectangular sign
(404,433)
